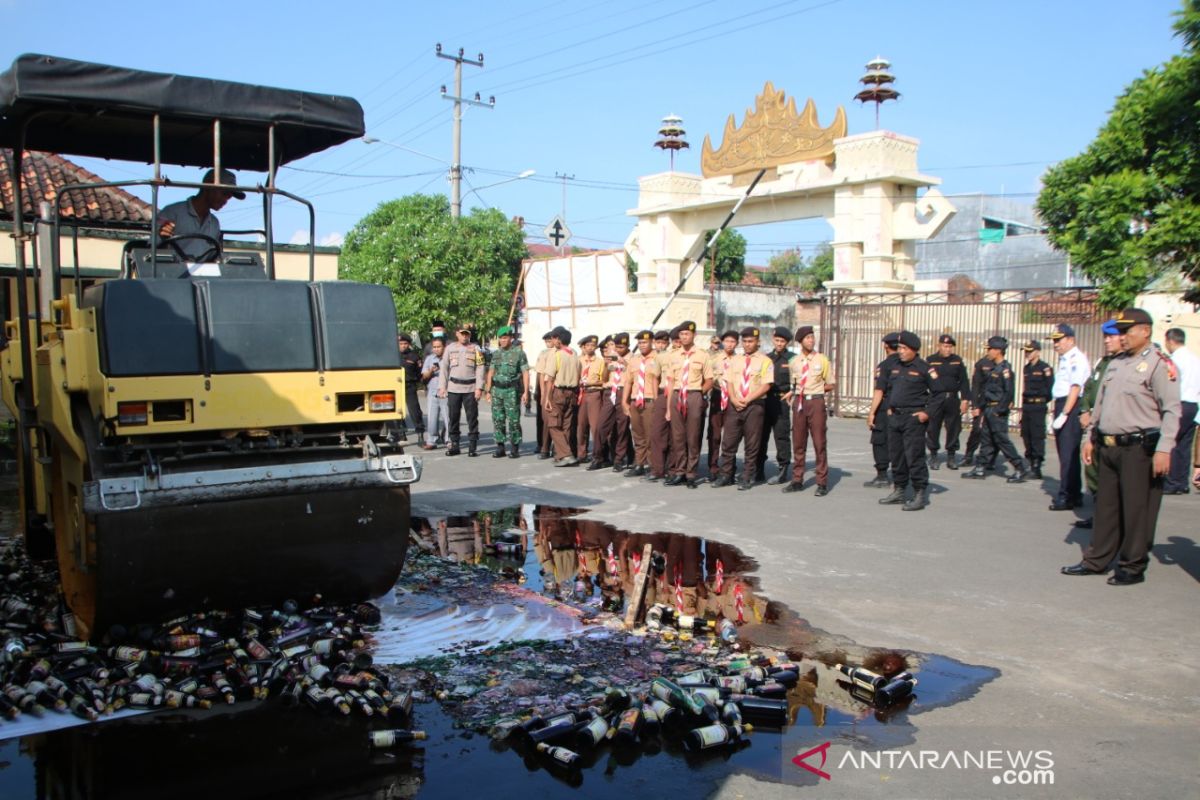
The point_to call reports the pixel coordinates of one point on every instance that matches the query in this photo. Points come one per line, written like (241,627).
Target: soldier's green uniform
(506,377)
(1087,400)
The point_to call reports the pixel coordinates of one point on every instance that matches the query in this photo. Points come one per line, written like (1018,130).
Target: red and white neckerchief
(802,384)
(681,399)
(579,552)
(679,588)
(724,385)
(587,365)
(746,379)
(720,579)
(739,603)
(612,560)
(639,396)
(636,558)
(618,375)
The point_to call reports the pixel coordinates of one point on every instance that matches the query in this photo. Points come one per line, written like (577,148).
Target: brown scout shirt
(699,369)
(593,371)
(562,368)
(1139,392)
(653,371)
(819,372)
(761,371)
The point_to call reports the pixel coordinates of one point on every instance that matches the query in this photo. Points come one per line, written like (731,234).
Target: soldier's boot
(499,451)
(893,499)
(978,473)
(968,460)
(453,450)
(1022,473)
(472,448)
(933,460)
(879,481)
(951,460)
(919,500)
(514,451)
(1035,467)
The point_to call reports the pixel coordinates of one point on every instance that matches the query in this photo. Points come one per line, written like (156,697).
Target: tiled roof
(46,173)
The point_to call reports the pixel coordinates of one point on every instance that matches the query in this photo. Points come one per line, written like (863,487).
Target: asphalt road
(1103,678)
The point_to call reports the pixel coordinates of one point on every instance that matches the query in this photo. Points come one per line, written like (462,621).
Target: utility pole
(456,160)
(564,177)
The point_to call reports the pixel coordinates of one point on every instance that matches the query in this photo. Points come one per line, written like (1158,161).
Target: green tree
(818,270)
(437,267)
(783,269)
(727,258)
(1127,208)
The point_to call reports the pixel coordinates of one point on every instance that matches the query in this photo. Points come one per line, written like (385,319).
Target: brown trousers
(640,422)
(588,426)
(810,419)
(687,432)
(614,430)
(660,438)
(543,422)
(560,419)
(716,425)
(747,423)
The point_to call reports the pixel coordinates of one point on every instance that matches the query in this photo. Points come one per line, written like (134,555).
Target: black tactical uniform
(879,431)
(983,368)
(1035,394)
(951,387)
(411,363)
(909,393)
(777,418)
(994,400)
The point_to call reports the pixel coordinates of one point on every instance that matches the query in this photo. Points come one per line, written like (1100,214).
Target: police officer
(462,371)
(778,418)
(1035,394)
(1132,430)
(951,393)
(910,400)
(992,405)
(410,362)
(507,388)
(1069,377)
(983,368)
(1087,401)
(877,416)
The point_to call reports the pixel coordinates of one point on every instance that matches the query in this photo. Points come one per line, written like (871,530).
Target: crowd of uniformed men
(641,405)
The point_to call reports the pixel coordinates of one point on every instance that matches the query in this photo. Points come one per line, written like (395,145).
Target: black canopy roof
(78,108)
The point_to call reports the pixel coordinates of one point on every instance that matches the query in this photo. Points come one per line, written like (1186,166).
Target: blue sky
(995,92)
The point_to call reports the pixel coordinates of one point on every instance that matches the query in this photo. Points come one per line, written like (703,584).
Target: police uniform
(1136,417)
(879,427)
(747,380)
(593,374)
(640,395)
(462,369)
(718,402)
(909,393)
(950,389)
(1072,370)
(562,374)
(811,375)
(660,426)
(614,422)
(506,383)
(983,368)
(690,375)
(410,362)
(777,417)
(1035,395)
(994,401)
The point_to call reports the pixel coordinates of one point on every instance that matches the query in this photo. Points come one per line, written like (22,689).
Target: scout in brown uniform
(811,377)
(541,394)
(593,373)
(689,380)
(1133,425)
(614,421)
(718,399)
(639,397)
(562,374)
(747,379)
(660,427)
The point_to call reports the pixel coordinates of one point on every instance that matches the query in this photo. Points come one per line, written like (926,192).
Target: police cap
(1133,316)
(1061,330)
(1032,345)
(1109,328)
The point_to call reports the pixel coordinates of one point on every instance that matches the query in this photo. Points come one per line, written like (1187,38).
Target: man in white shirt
(1187,365)
(1072,373)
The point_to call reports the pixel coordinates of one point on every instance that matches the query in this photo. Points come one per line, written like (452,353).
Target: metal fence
(857,323)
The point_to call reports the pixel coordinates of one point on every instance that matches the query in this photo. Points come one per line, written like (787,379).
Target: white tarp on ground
(569,291)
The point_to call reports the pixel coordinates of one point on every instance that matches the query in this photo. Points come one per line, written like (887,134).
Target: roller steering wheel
(213,253)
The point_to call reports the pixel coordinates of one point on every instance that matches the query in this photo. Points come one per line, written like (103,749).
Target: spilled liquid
(263,750)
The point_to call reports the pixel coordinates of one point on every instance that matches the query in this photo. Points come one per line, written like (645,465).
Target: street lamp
(519,177)
(373,140)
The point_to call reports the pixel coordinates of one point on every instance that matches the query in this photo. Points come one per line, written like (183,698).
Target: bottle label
(712,735)
(562,755)
(383,738)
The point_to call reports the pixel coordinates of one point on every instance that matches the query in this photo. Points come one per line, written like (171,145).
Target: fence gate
(858,321)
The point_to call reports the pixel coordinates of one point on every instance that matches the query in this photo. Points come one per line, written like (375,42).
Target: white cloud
(299,237)
(334,239)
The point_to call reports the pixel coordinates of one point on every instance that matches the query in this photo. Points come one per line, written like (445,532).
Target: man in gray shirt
(194,217)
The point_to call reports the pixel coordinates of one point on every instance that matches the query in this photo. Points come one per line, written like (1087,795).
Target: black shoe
(977,473)
(543,455)
(1084,523)
(694,483)
(794,486)
(652,478)
(951,460)
(779,477)
(895,498)
(595,465)
(722,481)
(822,490)
(636,472)
(1060,506)
(621,467)
(880,481)
(745,486)
(1021,475)
(1080,569)
(515,452)
(499,451)
(1121,578)
(471,452)
(674,480)
(967,461)
(1036,472)
(933,461)
(918,502)
(453,450)
(760,478)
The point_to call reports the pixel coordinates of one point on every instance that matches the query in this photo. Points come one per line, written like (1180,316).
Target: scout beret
(504,330)
(892,339)
(588,340)
(946,338)
(1060,330)
(802,331)
(550,334)
(750,333)
(662,336)
(621,338)
(998,342)
(644,336)
(782,332)
(564,336)
(1109,328)
(404,337)
(1032,345)
(675,332)
(687,325)
(910,340)
(729,334)
(1133,316)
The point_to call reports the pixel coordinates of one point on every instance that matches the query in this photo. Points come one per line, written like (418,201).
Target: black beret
(674,334)
(662,336)
(946,338)
(802,331)
(750,333)
(998,342)
(588,340)
(782,332)
(621,338)
(550,334)
(687,325)
(404,337)
(728,334)
(564,336)
(644,336)
(892,339)
(910,340)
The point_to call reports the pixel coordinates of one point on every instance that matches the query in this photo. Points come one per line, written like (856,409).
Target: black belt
(505,384)
(907,409)
(815,396)
(1125,439)
(568,388)
(462,380)
(1034,399)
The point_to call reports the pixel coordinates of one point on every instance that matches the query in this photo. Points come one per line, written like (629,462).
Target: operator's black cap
(998,342)
(910,340)
(1133,316)
(227,179)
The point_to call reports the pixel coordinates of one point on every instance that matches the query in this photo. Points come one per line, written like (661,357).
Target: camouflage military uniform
(508,365)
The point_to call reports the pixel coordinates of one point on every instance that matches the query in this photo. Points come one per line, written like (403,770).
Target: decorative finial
(878,82)
(670,136)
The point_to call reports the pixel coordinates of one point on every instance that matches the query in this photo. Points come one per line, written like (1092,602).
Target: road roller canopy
(79,108)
